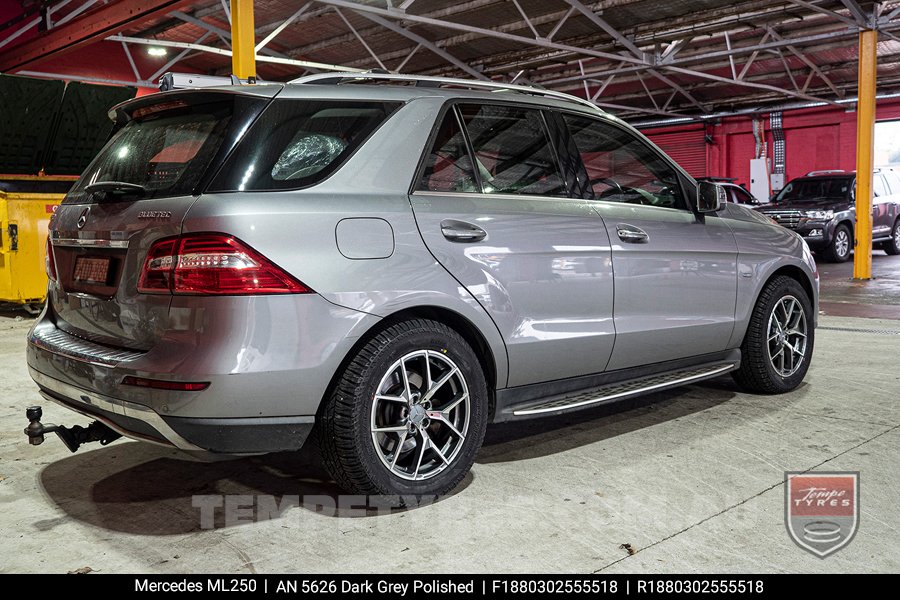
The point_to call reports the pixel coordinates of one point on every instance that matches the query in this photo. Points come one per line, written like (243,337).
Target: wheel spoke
(406,387)
(796,332)
(427,370)
(398,450)
(379,397)
(440,382)
(391,429)
(454,403)
(425,441)
(442,417)
(435,448)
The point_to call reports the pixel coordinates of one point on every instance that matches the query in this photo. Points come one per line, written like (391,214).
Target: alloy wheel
(841,243)
(786,336)
(420,415)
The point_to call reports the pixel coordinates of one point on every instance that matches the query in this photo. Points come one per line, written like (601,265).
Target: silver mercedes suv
(387,268)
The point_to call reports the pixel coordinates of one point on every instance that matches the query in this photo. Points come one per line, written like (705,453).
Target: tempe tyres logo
(821,510)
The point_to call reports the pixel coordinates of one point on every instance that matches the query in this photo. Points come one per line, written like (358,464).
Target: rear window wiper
(115,187)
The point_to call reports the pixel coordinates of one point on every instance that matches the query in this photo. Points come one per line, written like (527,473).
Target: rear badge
(82,219)
(154,214)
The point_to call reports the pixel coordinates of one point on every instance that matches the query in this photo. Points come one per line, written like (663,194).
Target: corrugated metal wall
(815,139)
(687,147)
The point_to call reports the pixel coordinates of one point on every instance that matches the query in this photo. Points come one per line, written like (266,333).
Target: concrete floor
(691,479)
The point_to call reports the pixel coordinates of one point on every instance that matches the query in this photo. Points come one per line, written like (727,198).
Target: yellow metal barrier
(24,218)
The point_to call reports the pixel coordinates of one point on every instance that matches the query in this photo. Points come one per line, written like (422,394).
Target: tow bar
(73,437)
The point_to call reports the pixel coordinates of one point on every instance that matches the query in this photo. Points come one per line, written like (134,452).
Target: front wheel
(778,344)
(892,246)
(841,244)
(408,414)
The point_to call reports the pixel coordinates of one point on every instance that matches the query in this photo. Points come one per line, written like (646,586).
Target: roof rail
(424,80)
(824,172)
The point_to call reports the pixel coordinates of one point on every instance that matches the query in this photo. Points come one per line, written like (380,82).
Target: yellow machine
(24,217)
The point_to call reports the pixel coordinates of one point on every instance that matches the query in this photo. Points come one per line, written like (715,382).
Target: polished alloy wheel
(786,336)
(420,415)
(897,237)
(841,243)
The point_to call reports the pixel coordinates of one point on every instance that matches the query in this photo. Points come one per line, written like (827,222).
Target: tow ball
(73,437)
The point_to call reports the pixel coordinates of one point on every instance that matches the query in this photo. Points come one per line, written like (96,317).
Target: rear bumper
(254,435)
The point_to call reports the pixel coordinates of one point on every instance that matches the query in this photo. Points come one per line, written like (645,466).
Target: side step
(624,389)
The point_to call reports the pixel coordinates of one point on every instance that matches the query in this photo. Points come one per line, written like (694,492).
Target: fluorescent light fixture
(155,51)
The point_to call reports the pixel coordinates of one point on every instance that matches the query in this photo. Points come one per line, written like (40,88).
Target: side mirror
(710,197)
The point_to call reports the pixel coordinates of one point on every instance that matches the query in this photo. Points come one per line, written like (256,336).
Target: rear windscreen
(166,152)
(297,143)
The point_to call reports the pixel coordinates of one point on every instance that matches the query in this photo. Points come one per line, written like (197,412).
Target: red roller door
(686,147)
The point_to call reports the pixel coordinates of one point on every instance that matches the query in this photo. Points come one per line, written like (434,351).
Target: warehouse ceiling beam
(177,58)
(862,19)
(134,69)
(826,11)
(297,14)
(305,64)
(750,84)
(552,18)
(808,62)
(609,29)
(223,34)
(83,30)
(47,17)
(560,23)
(423,43)
(490,33)
(359,37)
(708,57)
(528,22)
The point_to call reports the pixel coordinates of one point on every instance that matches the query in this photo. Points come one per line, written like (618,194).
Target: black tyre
(841,244)
(892,247)
(407,415)
(779,341)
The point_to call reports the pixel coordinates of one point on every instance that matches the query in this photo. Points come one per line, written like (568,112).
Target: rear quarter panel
(297,230)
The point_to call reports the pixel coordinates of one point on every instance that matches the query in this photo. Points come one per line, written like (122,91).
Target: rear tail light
(212,264)
(50,261)
(159,384)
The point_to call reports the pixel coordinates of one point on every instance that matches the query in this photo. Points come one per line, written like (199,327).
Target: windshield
(819,188)
(165,152)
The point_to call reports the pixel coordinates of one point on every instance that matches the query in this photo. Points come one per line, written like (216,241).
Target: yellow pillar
(243,39)
(865,149)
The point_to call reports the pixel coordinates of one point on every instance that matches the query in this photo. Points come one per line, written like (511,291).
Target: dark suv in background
(821,207)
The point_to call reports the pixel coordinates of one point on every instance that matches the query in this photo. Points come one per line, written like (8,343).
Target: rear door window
(513,153)
(298,143)
(448,165)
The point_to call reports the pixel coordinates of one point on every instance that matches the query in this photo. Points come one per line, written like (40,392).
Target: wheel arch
(800,276)
(448,317)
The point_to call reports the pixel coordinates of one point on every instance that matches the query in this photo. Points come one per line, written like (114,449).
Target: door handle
(460,231)
(631,234)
